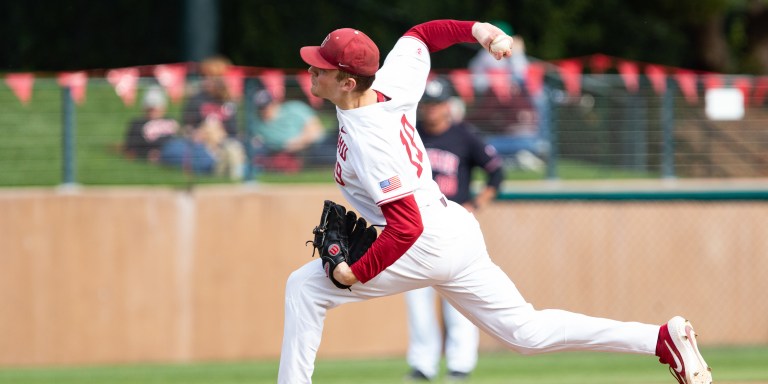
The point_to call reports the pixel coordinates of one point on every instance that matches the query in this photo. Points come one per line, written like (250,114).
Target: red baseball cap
(345,49)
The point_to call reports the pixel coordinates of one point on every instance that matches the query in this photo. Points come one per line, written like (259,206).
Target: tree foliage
(712,35)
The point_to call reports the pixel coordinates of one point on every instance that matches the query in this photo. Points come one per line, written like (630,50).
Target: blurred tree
(716,35)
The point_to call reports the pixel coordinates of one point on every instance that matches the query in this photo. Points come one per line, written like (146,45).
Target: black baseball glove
(341,237)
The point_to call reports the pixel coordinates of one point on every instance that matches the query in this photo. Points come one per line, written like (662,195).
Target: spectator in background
(212,100)
(210,118)
(282,131)
(147,134)
(454,151)
(517,126)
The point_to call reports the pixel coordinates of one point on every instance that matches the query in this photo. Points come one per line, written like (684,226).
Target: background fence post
(668,132)
(69,160)
(551,133)
(248,111)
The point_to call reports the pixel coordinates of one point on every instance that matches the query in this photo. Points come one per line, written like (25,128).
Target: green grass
(730,364)
(31,149)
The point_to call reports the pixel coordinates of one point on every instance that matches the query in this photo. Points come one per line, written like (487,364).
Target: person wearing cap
(454,151)
(282,129)
(146,135)
(384,173)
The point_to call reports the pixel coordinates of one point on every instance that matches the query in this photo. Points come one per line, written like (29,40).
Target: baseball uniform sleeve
(485,156)
(404,226)
(441,34)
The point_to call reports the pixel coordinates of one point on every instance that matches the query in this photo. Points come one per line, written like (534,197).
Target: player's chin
(314,91)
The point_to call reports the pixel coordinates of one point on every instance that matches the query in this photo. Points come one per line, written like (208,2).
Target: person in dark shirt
(454,151)
(147,134)
(212,101)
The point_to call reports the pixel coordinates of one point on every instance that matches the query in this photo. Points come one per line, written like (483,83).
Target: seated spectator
(147,134)
(212,99)
(210,118)
(282,131)
(514,123)
(190,153)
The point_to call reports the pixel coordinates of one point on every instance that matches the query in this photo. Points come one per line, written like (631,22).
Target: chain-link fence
(603,131)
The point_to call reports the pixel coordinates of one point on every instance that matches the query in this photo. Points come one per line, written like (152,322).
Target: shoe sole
(696,369)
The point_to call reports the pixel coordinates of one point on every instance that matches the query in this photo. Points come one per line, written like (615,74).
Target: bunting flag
(305,83)
(462,82)
(233,79)
(630,73)
(173,78)
(761,88)
(534,80)
(500,82)
(77,83)
(124,80)
(570,71)
(712,81)
(687,81)
(274,82)
(744,85)
(600,63)
(21,84)
(658,78)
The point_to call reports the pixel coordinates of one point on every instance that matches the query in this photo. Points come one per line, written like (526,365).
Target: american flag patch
(390,184)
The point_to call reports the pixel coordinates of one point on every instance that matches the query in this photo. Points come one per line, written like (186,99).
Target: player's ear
(349,84)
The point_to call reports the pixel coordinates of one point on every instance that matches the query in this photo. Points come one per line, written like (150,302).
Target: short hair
(215,66)
(363,82)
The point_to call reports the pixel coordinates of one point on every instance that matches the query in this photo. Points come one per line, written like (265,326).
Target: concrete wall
(128,275)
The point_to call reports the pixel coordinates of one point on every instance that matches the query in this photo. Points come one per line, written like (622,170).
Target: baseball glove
(341,237)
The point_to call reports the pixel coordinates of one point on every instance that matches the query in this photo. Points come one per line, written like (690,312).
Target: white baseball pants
(451,257)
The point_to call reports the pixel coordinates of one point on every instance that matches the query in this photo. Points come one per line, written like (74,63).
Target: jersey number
(416,155)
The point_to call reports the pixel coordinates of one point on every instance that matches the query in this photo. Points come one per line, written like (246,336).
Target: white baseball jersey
(380,159)
(380,156)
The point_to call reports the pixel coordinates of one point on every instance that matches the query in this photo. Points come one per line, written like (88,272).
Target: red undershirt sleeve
(403,228)
(441,34)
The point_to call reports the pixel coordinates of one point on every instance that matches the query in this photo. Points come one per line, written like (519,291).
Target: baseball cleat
(677,347)
(416,375)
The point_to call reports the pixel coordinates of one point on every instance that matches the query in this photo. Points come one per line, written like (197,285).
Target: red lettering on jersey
(342,148)
(410,144)
(337,174)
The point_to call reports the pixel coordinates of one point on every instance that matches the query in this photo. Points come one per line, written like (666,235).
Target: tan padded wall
(128,275)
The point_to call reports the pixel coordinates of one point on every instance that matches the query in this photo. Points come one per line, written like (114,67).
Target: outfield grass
(730,365)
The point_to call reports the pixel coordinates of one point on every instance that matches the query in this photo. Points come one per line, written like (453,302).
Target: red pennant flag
(173,78)
(600,63)
(630,73)
(534,79)
(21,84)
(274,82)
(233,78)
(658,78)
(744,85)
(77,83)
(124,80)
(687,81)
(713,81)
(570,71)
(500,82)
(305,82)
(761,88)
(462,82)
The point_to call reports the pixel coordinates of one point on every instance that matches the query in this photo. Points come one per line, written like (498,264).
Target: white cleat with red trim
(677,347)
